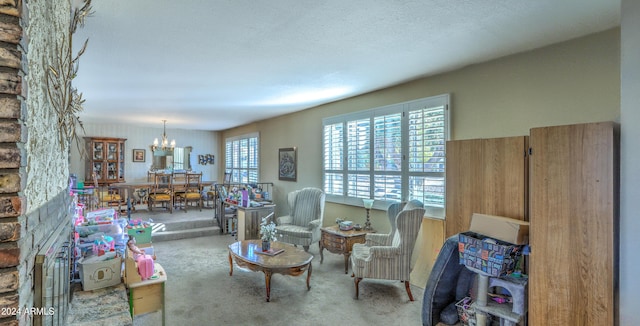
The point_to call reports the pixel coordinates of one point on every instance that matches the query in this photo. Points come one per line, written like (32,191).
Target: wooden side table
(148,296)
(340,242)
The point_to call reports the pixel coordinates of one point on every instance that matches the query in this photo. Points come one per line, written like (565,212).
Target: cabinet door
(112,171)
(504,177)
(98,169)
(98,151)
(112,151)
(571,271)
(121,162)
(464,180)
(487,176)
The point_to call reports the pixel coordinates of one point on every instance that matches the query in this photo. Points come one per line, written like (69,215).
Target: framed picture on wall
(139,155)
(287,164)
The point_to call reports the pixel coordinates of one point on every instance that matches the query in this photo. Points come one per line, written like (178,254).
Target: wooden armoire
(563,180)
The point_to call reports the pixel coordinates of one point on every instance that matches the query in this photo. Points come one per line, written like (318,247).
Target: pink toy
(145,262)
(145,266)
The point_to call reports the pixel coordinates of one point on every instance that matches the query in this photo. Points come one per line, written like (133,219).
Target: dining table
(130,188)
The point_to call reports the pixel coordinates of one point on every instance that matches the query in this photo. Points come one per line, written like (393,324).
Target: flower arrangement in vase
(268,233)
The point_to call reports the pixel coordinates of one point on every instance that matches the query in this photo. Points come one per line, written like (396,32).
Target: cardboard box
(501,228)
(100,274)
(489,256)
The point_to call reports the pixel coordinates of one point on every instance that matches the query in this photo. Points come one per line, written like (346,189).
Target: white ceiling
(217,64)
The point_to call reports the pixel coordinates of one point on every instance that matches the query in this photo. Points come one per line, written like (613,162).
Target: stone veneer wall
(33,166)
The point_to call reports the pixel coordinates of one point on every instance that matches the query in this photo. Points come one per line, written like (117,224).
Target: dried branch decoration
(65,99)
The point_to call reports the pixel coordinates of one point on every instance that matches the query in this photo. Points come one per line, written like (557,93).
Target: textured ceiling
(216,64)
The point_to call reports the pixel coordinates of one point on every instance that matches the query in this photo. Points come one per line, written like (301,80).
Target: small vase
(266,245)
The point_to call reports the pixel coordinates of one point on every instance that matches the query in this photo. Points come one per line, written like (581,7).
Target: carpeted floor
(199,291)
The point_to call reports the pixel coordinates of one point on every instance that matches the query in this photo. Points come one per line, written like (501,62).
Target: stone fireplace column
(34,194)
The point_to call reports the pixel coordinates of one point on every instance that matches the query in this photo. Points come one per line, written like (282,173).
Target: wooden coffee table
(292,261)
(340,242)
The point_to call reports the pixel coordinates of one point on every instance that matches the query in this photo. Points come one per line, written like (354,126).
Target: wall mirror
(177,159)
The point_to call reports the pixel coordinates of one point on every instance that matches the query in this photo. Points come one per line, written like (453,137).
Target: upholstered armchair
(380,239)
(302,225)
(392,261)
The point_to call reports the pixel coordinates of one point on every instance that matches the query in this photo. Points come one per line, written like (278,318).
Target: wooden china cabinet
(105,158)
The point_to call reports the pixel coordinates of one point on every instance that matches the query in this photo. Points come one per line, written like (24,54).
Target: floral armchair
(302,225)
(391,261)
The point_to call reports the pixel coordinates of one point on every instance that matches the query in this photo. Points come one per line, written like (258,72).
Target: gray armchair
(393,261)
(302,225)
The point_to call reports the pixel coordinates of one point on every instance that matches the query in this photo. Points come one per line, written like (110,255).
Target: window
(391,153)
(241,158)
(178,158)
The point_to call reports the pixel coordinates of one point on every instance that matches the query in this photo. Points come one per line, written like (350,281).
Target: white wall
(202,141)
(629,163)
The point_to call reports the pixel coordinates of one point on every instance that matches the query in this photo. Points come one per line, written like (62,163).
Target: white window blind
(427,140)
(391,153)
(242,159)
(333,140)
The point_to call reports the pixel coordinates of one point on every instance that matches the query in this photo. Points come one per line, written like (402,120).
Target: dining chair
(105,197)
(179,186)
(192,191)
(161,192)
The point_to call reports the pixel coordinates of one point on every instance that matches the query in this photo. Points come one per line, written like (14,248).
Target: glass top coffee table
(291,261)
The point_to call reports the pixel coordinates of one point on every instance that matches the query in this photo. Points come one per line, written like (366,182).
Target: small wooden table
(148,296)
(340,242)
(292,261)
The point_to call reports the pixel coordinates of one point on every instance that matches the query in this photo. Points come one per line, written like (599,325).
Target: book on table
(270,252)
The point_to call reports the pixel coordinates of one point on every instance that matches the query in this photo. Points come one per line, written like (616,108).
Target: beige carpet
(199,291)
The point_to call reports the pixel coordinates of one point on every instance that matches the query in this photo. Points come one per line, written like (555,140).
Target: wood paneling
(430,240)
(572,225)
(504,184)
(487,176)
(464,180)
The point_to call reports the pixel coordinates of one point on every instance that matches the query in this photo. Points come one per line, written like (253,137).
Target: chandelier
(165,142)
